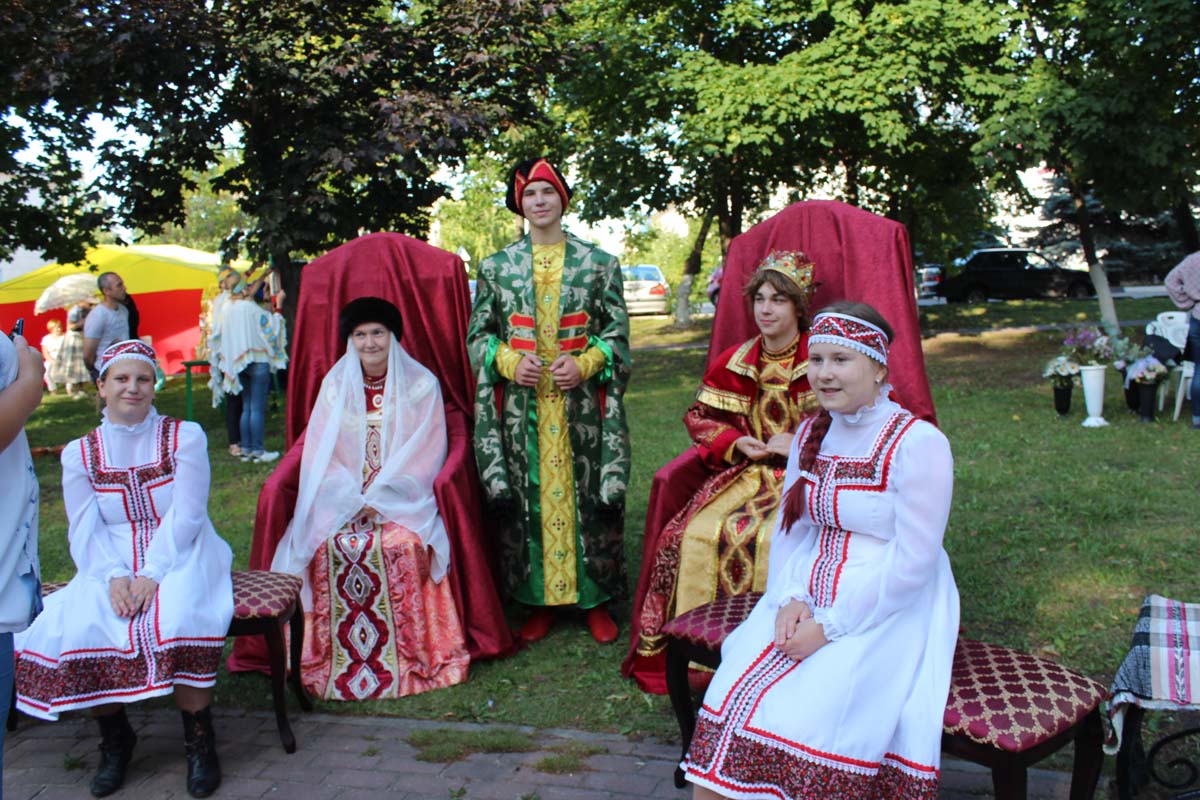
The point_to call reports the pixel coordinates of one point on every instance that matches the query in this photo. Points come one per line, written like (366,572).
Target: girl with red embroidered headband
(835,685)
(129,349)
(857,334)
(147,611)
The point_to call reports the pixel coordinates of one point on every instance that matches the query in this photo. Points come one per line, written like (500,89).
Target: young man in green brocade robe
(549,339)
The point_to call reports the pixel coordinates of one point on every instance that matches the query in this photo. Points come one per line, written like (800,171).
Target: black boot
(116,747)
(204,771)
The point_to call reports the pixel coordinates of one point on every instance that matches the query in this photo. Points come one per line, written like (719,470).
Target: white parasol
(66,291)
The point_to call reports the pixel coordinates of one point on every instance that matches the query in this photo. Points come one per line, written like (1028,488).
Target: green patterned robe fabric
(506,419)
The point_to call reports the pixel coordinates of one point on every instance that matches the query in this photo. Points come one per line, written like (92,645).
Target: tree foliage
(668,249)
(713,104)
(478,221)
(1066,104)
(344,110)
(211,217)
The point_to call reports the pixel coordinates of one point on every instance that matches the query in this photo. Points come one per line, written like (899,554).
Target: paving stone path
(361,758)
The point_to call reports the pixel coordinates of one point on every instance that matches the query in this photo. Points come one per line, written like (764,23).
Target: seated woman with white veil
(366,536)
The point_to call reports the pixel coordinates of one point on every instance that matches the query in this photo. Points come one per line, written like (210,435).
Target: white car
(646,290)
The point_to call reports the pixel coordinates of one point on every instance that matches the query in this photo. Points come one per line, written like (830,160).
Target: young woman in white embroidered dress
(834,687)
(147,611)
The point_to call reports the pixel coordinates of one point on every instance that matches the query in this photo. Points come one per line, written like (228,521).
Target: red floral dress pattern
(380,626)
(718,545)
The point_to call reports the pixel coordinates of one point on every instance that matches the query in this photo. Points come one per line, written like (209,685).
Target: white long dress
(861,718)
(137,503)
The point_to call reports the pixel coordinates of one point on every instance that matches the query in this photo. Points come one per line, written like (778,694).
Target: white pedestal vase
(1093,394)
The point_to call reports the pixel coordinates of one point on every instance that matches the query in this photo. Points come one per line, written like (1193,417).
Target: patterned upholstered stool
(263,602)
(1006,710)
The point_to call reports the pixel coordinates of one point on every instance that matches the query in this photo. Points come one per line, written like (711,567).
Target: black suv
(1014,272)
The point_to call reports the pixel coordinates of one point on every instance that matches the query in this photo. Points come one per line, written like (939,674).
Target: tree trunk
(724,221)
(852,184)
(1186,223)
(289,282)
(1108,311)
(737,209)
(691,268)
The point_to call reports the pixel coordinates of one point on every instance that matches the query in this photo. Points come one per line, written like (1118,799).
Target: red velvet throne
(429,286)
(858,256)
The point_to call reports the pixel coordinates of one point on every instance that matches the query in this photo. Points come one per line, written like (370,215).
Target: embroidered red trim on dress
(150,665)
(574,343)
(830,476)
(727,751)
(522,344)
(576,319)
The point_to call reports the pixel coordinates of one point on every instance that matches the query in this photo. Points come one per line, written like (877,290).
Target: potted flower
(1092,350)
(1088,346)
(1063,374)
(1146,373)
(1126,352)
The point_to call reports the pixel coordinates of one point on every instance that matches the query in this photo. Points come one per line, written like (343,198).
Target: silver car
(646,290)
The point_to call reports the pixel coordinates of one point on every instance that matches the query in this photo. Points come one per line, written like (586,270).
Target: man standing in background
(107,323)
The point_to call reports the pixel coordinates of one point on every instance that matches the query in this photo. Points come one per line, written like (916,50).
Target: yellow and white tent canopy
(167,281)
(144,268)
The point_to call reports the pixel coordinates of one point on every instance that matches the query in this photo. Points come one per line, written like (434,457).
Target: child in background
(50,345)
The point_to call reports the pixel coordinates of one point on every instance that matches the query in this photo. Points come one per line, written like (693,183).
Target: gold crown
(793,265)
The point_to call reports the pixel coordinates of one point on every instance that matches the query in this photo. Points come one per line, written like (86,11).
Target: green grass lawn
(660,331)
(1056,533)
(1024,313)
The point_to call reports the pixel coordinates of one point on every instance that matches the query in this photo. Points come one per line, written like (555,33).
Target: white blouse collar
(870,414)
(136,428)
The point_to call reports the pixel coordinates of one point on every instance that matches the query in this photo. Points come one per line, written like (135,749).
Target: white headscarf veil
(412,448)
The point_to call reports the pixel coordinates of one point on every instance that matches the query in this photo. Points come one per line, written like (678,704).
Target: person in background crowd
(366,515)
(134,317)
(834,687)
(747,410)
(246,348)
(1183,285)
(50,345)
(69,367)
(108,322)
(20,586)
(549,339)
(227,279)
(148,609)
